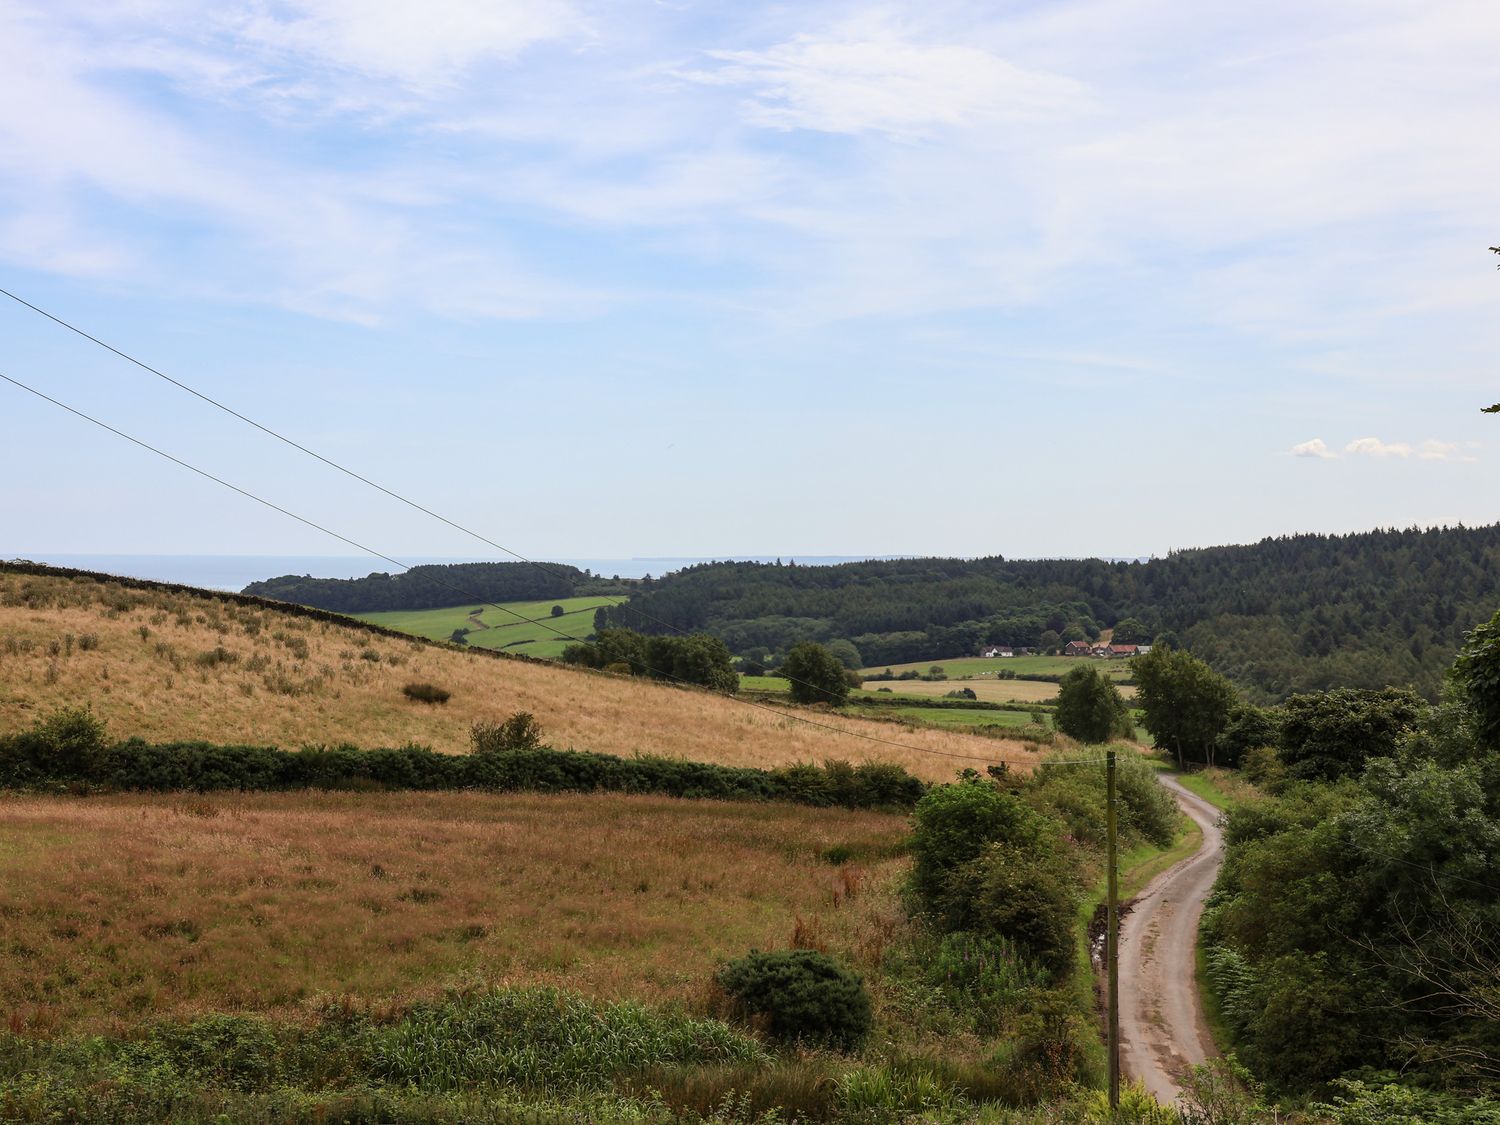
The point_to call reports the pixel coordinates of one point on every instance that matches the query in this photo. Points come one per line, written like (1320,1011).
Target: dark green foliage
(69,743)
(695,659)
(459,636)
(63,750)
(426,587)
(1332,734)
(426,693)
(1130,632)
(1029,895)
(801,995)
(1476,676)
(1089,707)
(846,654)
(1353,926)
(1185,704)
(953,827)
(1249,727)
(558,611)
(519,732)
(1294,614)
(582,653)
(816,675)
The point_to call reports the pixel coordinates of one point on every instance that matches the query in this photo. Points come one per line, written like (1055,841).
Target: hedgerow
(68,749)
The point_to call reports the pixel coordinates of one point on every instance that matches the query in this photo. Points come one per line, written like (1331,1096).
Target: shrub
(1029,896)
(1089,707)
(557,611)
(952,827)
(519,732)
(816,675)
(800,996)
(68,744)
(426,693)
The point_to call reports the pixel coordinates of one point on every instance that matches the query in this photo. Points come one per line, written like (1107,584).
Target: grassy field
(959,718)
(163,665)
(764,683)
(126,907)
(962,667)
(536,635)
(995,691)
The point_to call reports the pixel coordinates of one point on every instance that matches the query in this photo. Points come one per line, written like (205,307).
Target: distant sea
(235,572)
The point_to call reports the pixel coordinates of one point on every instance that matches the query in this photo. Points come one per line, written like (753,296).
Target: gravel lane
(1162,1030)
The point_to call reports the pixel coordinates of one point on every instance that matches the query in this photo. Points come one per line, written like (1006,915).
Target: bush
(426,693)
(952,827)
(557,611)
(816,675)
(1331,734)
(1029,896)
(800,996)
(519,732)
(1089,707)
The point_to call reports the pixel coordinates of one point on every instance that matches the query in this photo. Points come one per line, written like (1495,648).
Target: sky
(667,278)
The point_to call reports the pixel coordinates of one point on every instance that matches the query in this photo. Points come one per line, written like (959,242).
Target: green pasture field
(527,628)
(951,716)
(963,667)
(764,683)
(990,690)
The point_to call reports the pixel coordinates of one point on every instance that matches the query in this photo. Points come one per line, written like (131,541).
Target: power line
(179,384)
(469,595)
(332,464)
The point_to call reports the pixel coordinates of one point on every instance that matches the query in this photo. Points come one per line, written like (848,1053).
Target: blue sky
(816,278)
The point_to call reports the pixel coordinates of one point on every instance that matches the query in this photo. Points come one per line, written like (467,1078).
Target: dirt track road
(1162,1030)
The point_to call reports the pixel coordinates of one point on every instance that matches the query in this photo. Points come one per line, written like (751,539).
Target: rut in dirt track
(1162,1029)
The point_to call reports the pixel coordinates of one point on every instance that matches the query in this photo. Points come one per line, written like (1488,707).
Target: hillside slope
(167,663)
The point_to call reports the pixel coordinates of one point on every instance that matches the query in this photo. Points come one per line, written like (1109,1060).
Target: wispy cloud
(867,76)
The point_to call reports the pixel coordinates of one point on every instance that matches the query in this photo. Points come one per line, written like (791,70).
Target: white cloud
(1317,447)
(1433,450)
(1374,447)
(867,77)
(1430,450)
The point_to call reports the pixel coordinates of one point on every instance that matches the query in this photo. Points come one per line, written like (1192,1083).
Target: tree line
(427,587)
(1286,615)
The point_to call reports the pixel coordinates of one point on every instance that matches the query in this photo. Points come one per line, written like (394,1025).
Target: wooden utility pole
(1112,935)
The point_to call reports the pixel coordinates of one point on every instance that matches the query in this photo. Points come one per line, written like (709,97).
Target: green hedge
(37,760)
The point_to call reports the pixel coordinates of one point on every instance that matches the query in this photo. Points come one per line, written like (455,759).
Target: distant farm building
(1077,648)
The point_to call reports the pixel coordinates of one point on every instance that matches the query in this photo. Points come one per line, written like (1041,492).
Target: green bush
(816,675)
(1089,707)
(519,732)
(799,996)
(952,827)
(1029,895)
(426,693)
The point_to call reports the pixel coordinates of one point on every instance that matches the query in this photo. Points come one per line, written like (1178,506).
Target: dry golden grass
(141,658)
(125,907)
